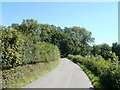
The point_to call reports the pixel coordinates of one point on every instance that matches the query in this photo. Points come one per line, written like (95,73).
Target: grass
(23,75)
(94,79)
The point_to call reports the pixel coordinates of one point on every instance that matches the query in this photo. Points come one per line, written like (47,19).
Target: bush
(19,49)
(11,48)
(108,71)
(45,52)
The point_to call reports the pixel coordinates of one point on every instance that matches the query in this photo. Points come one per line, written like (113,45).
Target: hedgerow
(11,48)
(19,49)
(107,71)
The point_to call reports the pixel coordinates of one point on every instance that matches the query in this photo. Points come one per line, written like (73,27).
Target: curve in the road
(66,75)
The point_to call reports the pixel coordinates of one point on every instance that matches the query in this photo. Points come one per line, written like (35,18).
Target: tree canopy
(70,40)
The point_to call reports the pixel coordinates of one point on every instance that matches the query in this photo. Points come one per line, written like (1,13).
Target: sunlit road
(66,75)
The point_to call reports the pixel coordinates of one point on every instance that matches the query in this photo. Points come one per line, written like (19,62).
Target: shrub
(19,49)
(108,71)
(11,48)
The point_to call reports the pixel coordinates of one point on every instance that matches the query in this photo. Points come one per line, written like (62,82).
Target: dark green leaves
(19,49)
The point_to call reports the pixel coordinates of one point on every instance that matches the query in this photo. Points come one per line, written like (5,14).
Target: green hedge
(108,71)
(11,48)
(19,49)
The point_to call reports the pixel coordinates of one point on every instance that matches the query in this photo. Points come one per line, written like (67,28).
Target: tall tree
(81,38)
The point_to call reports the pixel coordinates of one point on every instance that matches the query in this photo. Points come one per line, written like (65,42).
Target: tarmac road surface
(66,75)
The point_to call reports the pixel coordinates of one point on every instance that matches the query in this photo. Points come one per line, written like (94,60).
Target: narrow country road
(66,75)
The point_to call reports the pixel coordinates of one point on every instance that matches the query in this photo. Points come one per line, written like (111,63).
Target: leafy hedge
(108,71)
(19,49)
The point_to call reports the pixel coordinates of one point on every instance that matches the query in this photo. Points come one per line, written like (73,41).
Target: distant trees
(116,49)
(105,51)
(95,50)
(72,40)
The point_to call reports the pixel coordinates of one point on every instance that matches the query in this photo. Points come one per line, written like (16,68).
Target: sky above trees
(100,18)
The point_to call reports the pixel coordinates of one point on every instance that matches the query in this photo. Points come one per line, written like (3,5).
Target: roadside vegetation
(22,75)
(30,49)
(25,58)
(106,73)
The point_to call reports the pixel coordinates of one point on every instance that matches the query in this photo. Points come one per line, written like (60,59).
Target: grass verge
(94,79)
(23,75)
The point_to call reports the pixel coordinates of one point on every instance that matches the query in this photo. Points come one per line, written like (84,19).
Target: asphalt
(66,75)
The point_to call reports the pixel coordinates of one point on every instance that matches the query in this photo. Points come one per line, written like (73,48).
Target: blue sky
(100,18)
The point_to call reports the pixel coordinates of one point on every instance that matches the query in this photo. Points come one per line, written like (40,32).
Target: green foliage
(22,75)
(80,40)
(17,49)
(116,49)
(29,42)
(11,48)
(46,52)
(96,50)
(27,26)
(45,32)
(104,50)
(25,54)
(81,34)
(72,40)
(94,79)
(107,71)
(63,41)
